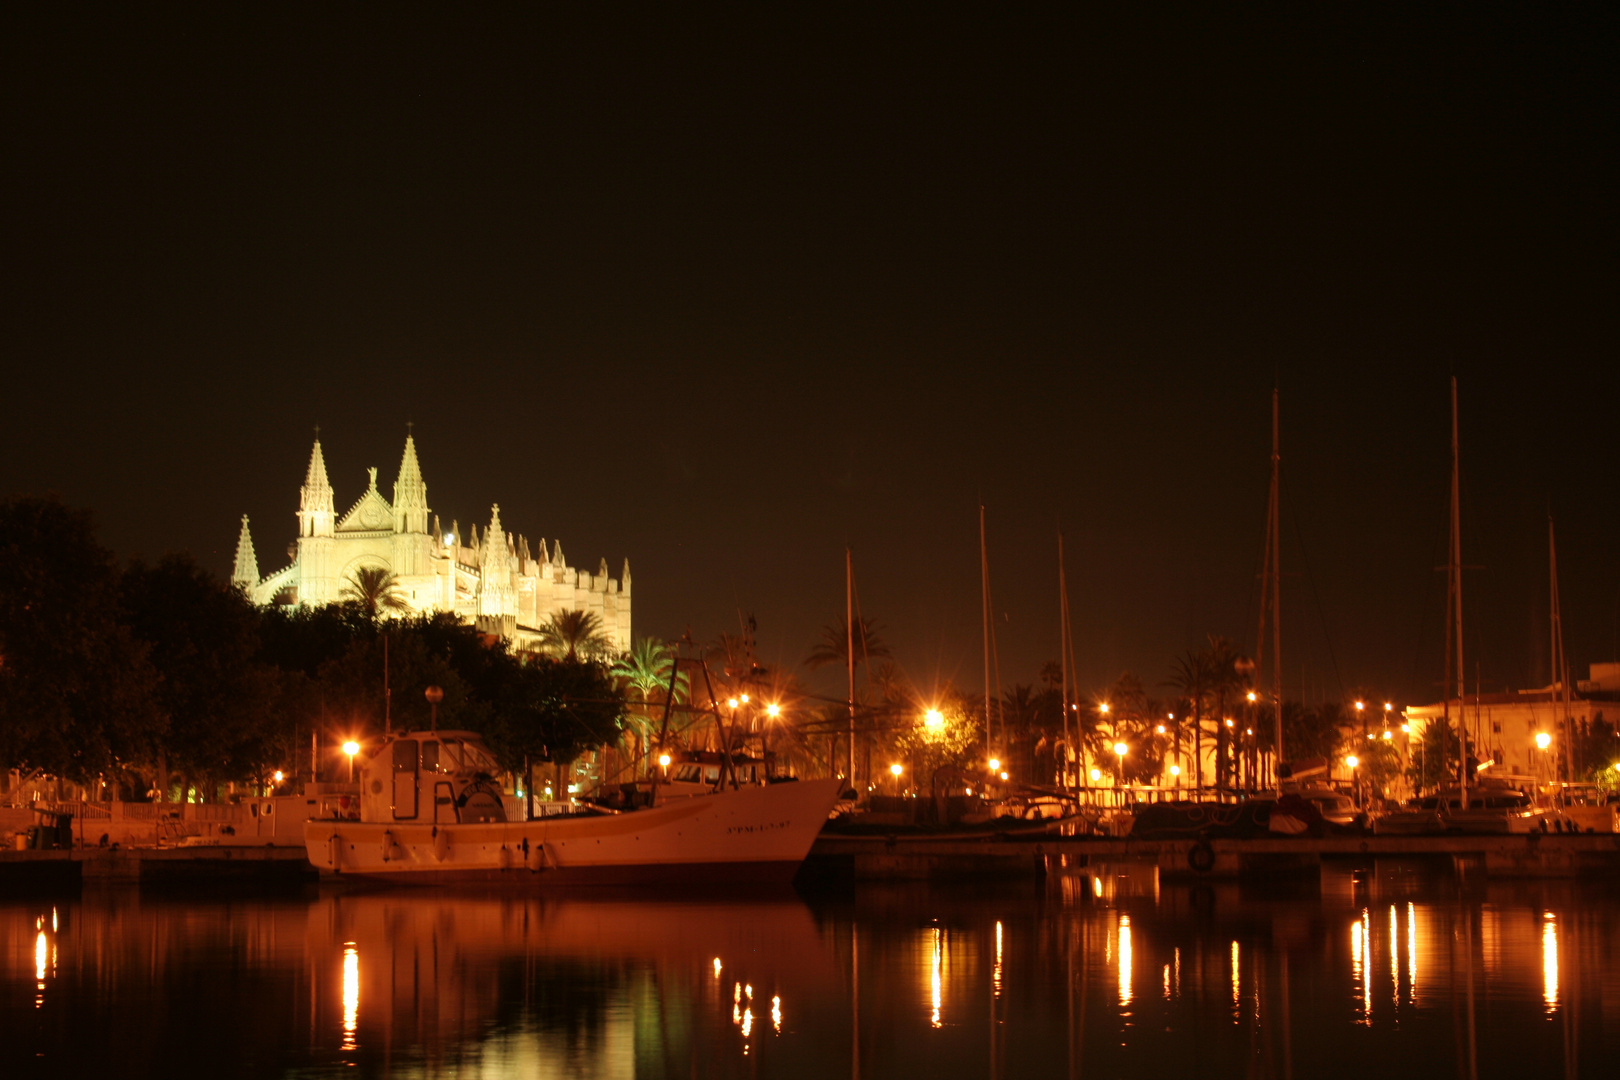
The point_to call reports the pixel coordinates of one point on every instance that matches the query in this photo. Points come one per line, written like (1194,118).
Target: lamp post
(351,748)
(434,695)
(1120,750)
(896,770)
(1355,780)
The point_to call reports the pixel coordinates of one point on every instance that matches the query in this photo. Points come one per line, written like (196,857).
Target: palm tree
(1191,676)
(832,646)
(374,589)
(646,669)
(570,634)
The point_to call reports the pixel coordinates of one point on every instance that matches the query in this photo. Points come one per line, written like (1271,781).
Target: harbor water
(1094,971)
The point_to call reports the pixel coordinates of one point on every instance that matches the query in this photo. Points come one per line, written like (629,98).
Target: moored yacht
(430,811)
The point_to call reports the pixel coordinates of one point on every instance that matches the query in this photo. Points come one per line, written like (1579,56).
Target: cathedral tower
(317,522)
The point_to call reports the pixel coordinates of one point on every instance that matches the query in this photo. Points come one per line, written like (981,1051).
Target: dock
(253,866)
(922,857)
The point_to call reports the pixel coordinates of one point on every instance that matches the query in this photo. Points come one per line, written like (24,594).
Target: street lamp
(434,695)
(351,748)
(934,721)
(895,770)
(773,710)
(663,762)
(995,764)
(1120,750)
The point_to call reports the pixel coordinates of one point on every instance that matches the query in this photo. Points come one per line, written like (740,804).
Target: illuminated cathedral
(492,579)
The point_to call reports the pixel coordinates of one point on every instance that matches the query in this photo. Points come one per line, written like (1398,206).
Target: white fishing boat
(430,812)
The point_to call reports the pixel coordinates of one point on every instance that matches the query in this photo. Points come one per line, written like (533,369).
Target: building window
(1496,727)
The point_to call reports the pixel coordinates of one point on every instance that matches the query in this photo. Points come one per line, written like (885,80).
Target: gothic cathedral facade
(492,580)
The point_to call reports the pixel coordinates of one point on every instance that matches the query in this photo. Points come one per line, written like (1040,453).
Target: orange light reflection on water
(1549,960)
(1124,959)
(351,994)
(936,978)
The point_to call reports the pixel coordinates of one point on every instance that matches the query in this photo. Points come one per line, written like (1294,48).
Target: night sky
(722,293)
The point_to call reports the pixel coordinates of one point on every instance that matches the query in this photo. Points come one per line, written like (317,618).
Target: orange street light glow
(351,748)
(1103,708)
(934,720)
(1543,740)
(773,709)
(995,764)
(1121,749)
(663,761)
(1252,697)
(897,769)
(1352,761)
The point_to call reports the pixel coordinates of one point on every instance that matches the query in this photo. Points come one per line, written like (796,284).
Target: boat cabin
(429,777)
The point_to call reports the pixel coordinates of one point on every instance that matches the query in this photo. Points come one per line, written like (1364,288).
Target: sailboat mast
(1561,688)
(984,597)
(1455,614)
(1063,660)
(849,651)
(1276,577)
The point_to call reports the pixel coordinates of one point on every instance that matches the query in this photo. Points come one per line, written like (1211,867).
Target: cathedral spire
(410,493)
(246,574)
(316,516)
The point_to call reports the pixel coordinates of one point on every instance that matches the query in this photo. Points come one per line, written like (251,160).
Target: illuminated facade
(493,579)
(1503,727)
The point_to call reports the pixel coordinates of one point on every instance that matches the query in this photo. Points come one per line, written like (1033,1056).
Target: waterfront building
(1503,727)
(492,579)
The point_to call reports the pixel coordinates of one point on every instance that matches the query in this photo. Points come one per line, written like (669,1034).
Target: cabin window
(405,756)
(711,775)
(689,774)
(430,757)
(1496,727)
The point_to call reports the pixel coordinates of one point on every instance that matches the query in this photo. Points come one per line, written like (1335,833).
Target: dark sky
(721,294)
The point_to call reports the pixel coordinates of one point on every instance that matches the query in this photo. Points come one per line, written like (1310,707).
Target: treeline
(157,678)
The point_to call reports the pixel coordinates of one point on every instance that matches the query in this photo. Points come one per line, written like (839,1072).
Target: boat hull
(748,835)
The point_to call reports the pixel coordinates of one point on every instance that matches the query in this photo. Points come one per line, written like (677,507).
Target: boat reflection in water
(1379,974)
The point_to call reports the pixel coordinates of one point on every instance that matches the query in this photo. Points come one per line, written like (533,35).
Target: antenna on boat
(1065,646)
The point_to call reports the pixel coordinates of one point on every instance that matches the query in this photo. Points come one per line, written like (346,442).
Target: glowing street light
(934,720)
(351,748)
(773,710)
(897,769)
(743,698)
(995,764)
(1121,749)
(278,776)
(1160,729)
(1175,770)
(731,703)
(1352,761)
(1253,697)
(1543,740)
(1103,708)
(1096,774)
(663,761)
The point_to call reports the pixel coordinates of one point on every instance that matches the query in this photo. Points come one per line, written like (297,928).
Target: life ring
(1201,857)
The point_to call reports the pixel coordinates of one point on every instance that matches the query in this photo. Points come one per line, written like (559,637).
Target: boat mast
(1063,660)
(1560,662)
(984,597)
(849,651)
(1454,602)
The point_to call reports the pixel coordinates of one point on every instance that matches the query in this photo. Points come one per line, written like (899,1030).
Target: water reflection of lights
(748,1022)
(351,994)
(1096,887)
(1549,960)
(1394,955)
(1237,1001)
(937,976)
(1361,962)
(41,956)
(717,967)
(1411,952)
(776,1014)
(1167,982)
(1124,959)
(995,976)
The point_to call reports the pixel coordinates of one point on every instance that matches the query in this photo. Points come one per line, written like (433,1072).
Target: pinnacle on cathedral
(410,493)
(246,574)
(316,516)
